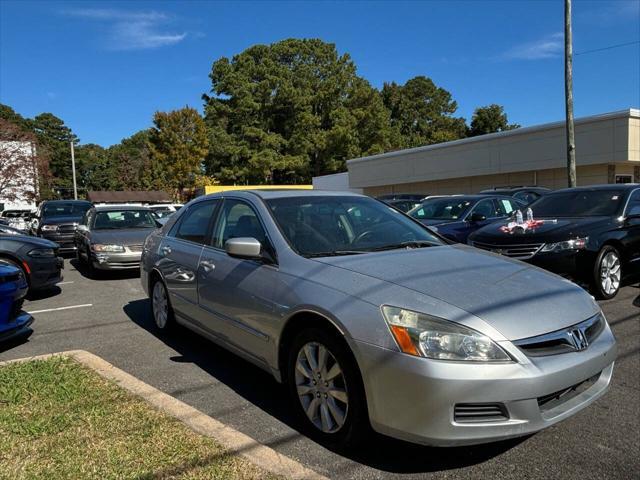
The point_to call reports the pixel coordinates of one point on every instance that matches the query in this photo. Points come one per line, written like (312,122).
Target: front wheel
(607,273)
(325,386)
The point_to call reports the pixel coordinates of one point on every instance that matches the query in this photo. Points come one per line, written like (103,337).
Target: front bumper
(575,264)
(66,240)
(15,327)
(116,261)
(414,399)
(45,272)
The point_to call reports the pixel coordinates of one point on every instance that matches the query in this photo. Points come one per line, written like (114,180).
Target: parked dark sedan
(456,217)
(37,258)
(589,234)
(57,220)
(111,237)
(524,194)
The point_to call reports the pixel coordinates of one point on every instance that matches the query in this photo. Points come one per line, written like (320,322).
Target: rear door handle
(166,250)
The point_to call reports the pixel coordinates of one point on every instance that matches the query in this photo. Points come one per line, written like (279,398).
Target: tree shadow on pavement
(261,389)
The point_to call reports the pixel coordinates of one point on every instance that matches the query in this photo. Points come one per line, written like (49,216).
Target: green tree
(133,164)
(178,144)
(489,119)
(283,112)
(422,112)
(55,138)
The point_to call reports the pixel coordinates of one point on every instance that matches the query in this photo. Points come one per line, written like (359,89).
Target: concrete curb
(235,442)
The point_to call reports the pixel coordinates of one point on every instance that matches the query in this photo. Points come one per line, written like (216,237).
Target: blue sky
(106,67)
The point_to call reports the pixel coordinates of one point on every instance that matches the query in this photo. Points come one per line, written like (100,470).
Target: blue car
(457,216)
(13,288)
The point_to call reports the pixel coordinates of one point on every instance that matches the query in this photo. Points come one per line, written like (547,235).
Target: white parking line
(64,283)
(61,308)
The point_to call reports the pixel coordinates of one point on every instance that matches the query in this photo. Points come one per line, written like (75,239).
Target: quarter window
(238,219)
(195,224)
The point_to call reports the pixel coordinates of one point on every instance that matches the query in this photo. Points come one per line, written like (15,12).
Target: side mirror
(477,217)
(243,247)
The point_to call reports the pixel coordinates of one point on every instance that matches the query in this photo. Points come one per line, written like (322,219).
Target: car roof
(607,186)
(63,202)
(118,208)
(283,193)
(473,196)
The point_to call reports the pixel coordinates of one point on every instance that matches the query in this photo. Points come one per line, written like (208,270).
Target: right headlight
(100,248)
(422,335)
(49,228)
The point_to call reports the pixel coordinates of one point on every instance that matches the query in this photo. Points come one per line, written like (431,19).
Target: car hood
(551,230)
(515,298)
(61,220)
(126,237)
(29,240)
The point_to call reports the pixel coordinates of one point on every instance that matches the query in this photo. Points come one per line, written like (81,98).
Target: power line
(607,48)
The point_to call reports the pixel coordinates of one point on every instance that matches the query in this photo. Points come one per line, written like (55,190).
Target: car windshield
(581,203)
(118,219)
(337,225)
(442,209)
(65,209)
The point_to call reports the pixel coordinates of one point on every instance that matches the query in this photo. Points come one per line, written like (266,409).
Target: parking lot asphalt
(110,317)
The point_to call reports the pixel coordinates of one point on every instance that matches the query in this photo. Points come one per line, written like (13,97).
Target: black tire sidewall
(597,285)
(357,421)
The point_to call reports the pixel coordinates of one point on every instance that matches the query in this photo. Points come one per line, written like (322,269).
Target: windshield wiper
(334,253)
(408,244)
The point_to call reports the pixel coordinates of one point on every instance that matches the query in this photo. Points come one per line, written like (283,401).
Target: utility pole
(73,170)
(568,95)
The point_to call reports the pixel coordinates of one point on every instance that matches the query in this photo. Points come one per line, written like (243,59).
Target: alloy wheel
(610,273)
(321,387)
(160,305)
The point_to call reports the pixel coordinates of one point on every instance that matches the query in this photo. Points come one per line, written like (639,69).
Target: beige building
(607,151)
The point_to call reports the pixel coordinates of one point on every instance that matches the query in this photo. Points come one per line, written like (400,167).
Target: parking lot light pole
(73,170)
(568,94)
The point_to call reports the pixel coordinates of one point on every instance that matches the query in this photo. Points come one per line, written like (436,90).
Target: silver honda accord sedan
(373,320)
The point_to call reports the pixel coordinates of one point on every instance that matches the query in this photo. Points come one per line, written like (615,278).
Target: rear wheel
(326,388)
(607,273)
(161,307)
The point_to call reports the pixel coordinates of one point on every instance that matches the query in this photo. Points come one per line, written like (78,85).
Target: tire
(161,309)
(607,273)
(334,395)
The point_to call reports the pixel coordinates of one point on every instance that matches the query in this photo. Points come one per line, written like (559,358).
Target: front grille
(520,251)
(67,228)
(480,412)
(552,400)
(564,340)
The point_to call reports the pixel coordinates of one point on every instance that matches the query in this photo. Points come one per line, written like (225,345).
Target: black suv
(57,220)
(589,234)
(524,194)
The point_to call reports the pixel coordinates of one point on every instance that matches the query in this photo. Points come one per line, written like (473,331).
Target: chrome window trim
(626,205)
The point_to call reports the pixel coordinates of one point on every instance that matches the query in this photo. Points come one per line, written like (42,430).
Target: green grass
(60,420)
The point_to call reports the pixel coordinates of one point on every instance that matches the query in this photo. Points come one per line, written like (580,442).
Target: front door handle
(207,266)
(166,250)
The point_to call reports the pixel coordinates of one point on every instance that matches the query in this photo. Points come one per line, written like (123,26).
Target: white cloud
(550,46)
(129,30)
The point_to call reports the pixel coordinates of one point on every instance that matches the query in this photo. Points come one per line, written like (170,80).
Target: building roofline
(627,113)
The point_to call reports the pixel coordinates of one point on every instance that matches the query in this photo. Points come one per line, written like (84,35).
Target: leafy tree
(10,115)
(55,138)
(133,165)
(283,112)
(490,119)
(422,113)
(178,144)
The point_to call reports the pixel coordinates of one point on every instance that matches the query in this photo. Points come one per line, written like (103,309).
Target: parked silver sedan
(111,237)
(371,319)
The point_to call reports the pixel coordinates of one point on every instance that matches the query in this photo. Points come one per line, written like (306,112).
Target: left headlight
(42,252)
(97,247)
(422,335)
(575,244)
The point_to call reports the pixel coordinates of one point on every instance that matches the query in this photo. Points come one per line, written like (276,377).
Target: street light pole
(73,170)
(568,95)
